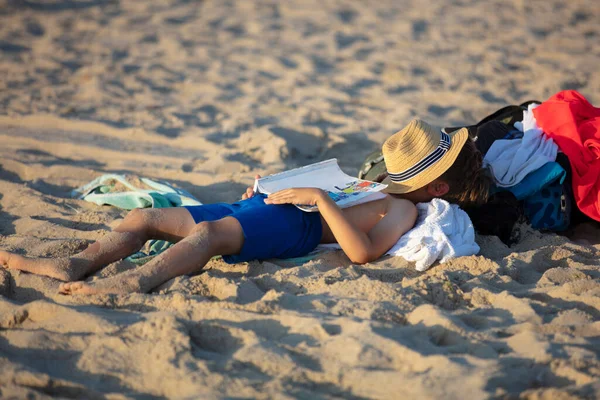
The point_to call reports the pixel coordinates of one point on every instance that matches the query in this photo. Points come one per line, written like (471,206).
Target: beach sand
(207,94)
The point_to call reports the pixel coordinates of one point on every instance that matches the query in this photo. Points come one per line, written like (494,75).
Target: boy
(422,163)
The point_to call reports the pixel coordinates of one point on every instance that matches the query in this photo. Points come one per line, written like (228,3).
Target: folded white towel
(442,231)
(512,160)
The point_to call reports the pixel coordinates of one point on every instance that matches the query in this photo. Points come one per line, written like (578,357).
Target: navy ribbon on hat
(425,163)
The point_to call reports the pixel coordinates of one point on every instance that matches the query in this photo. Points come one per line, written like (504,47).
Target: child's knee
(211,229)
(140,219)
(203,227)
(225,235)
(135,216)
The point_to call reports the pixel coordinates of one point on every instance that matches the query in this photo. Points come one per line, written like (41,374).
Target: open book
(344,189)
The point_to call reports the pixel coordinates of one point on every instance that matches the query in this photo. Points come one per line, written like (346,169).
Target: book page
(313,175)
(344,189)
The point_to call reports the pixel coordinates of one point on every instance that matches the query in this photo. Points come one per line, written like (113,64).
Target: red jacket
(574,125)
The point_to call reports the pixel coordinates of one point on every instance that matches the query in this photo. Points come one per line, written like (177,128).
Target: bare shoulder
(402,210)
(400,217)
(401,204)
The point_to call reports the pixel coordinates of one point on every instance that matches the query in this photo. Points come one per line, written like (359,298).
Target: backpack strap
(509,114)
(504,114)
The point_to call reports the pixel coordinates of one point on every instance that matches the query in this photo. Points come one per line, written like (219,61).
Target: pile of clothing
(548,162)
(574,125)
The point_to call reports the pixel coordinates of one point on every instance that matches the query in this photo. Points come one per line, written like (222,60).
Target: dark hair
(469,182)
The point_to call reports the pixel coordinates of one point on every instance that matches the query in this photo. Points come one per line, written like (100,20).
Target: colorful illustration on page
(351,189)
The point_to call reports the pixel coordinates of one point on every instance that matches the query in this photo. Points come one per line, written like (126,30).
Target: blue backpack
(551,207)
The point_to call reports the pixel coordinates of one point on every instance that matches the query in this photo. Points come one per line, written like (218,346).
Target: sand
(207,94)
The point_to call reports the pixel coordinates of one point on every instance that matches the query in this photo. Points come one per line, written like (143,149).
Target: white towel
(443,231)
(512,160)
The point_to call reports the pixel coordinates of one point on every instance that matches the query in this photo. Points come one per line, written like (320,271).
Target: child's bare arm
(363,247)
(360,247)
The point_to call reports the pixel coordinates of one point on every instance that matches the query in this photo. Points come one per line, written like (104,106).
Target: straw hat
(419,154)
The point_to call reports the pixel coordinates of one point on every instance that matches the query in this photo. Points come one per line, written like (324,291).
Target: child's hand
(250,190)
(299,196)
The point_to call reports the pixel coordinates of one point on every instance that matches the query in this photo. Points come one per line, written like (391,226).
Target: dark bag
(497,217)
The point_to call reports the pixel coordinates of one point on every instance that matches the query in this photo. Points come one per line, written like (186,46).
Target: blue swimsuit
(270,231)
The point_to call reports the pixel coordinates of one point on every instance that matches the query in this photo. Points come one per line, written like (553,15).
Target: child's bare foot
(119,284)
(64,269)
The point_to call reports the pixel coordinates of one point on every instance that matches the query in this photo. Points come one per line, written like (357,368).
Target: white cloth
(442,231)
(512,160)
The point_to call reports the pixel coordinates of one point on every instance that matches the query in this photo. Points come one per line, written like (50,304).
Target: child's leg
(207,239)
(139,225)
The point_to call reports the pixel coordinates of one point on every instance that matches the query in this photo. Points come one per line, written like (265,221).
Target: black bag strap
(511,114)
(508,111)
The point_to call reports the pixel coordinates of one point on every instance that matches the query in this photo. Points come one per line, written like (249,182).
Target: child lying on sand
(422,163)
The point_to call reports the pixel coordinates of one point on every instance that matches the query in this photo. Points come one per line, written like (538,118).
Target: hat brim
(457,141)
